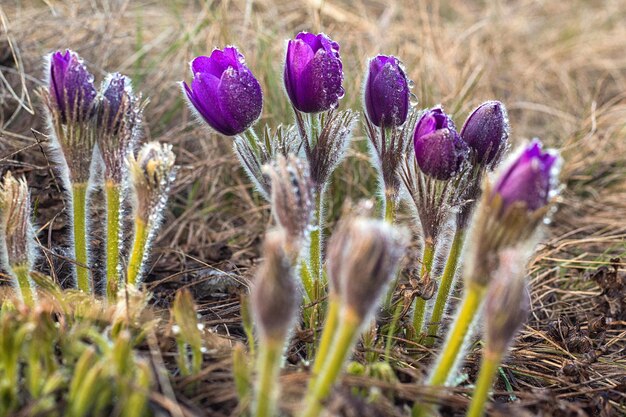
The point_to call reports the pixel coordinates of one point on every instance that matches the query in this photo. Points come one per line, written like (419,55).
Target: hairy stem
(268,365)
(390,208)
(488,369)
(138,252)
(330,327)
(252,138)
(320,387)
(445,285)
(79,204)
(420,304)
(470,305)
(113,204)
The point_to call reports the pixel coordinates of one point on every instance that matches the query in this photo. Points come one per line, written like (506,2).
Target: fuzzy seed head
(292,196)
(363,256)
(274,297)
(152,174)
(16,226)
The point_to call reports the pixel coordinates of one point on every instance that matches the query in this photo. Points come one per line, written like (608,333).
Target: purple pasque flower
(530,179)
(115,88)
(313,73)
(486,131)
(386,92)
(71,86)
(224,91)
(439,150)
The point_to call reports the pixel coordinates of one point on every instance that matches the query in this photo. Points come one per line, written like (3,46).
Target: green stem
(330,327)
(454,343)
(315,249)
(420,304)
(488,369)
(138,251)
(390,208)
(113,202)
(445,285)
(79,197)
(268,365)
(392,330)
(22,276)
(320,387)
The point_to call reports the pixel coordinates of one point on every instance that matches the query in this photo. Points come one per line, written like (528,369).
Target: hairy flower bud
(224,92)
(152,174)
(313,73)
(16,226)
(529,180)
(507,301)
(386,92)
(509,213)
(292,198)
(363,256)
(118,122)
(274,295)
(439,150)
(486,131)
(70,102)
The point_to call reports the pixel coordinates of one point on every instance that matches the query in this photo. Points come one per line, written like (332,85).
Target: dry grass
(559,67)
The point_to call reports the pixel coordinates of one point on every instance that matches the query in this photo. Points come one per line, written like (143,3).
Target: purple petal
(241,100)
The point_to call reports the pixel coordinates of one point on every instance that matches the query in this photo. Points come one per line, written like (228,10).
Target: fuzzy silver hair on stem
(327,149)
(152,174)
(17,235)
(292,196)
(274,301)
(388,146)
(283,141)
(119,115)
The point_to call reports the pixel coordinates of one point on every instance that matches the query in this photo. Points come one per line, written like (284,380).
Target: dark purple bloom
(225,92)
(530,179)
(439,150)
(386,92)
(313,73)
(113,95)
(486,131)
(71,86)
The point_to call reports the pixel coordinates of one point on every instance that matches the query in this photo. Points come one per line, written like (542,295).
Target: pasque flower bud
(364,255)
(71,86)
(152,174)
(313,73)
(486,131)
(507,302)
(16,226)
(224,92)
(387,92)
(529,180)
(70,101)
(274,295)
(118,120)
(439,150)
(292,194)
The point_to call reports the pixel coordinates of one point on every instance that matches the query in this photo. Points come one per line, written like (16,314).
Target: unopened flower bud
(118,122)
(486,131)
(364,255)
(507,301)
(313,73)
(439,150)
(292,196)
(530,180)
(274,295)
(70,102)
(224,92)
(386,92)
(16,225)
(152,174)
